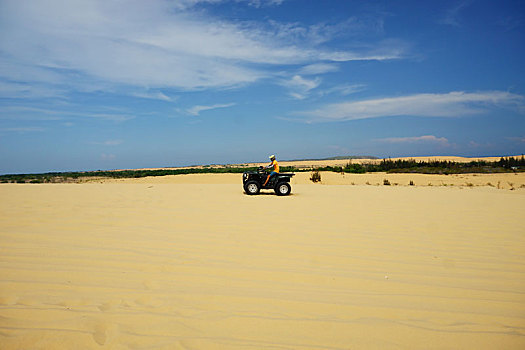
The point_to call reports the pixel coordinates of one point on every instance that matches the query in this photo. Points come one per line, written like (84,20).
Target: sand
(515,181)
(190,262)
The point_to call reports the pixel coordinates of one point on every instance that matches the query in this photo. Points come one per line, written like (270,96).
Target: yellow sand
(193,263)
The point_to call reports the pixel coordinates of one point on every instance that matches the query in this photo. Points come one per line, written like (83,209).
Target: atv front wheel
(283,189)
(252,187)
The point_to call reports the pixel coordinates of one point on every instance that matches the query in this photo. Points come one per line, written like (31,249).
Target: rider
(275,167)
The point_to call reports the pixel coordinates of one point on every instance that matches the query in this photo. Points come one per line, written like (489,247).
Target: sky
(103,84)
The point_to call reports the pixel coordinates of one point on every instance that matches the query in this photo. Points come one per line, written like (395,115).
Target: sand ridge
(334,162)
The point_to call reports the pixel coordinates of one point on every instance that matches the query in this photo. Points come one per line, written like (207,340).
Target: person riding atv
(254,181)
(275,167)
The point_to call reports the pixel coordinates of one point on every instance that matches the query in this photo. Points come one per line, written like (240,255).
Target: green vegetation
(509,164)
(504,165)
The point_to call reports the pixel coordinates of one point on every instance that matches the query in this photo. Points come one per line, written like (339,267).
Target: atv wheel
(252,187)
(283,189)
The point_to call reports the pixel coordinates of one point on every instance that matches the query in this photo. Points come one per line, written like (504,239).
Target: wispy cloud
(95,44)
(36,113)
(154,96)
(453,104)
(517,139)
(109,116)
(318,68)
(416,139)
(28,113)
(182,4)
(300,87)
(343,89)
(451,17)
(196,110)
(262,3)
(24,90)
(322,32)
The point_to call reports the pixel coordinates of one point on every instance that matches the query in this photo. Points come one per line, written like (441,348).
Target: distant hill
(332,158)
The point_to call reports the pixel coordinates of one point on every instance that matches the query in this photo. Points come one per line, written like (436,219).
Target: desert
(262,175)
(191,262)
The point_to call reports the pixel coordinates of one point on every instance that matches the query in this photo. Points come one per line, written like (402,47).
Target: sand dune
(340,162)
(193,263)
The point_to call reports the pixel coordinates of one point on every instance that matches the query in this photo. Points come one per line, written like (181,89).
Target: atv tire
(252,187)
(283,189)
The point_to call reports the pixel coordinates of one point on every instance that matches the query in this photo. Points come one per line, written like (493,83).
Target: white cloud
(195,110)
(343,89)
(262,3)
(416,139)
(90,44)
(300,87)
(318,68)
(319,33)
(453,104)
(154,96)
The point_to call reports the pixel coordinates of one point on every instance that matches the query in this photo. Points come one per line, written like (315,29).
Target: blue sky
(88,85)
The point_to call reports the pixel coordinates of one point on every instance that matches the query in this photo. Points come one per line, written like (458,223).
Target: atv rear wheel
(283,189)
(252,187)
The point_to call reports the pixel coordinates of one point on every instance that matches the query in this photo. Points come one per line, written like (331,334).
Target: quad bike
(253,182)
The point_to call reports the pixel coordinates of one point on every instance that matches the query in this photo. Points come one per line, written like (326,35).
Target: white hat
(272,156)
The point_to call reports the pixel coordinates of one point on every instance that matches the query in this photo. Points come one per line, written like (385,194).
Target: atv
(253,181)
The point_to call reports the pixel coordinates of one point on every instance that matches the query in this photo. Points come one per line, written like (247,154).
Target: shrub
(316,177)
(386,182)
(411,183)
(354,168)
